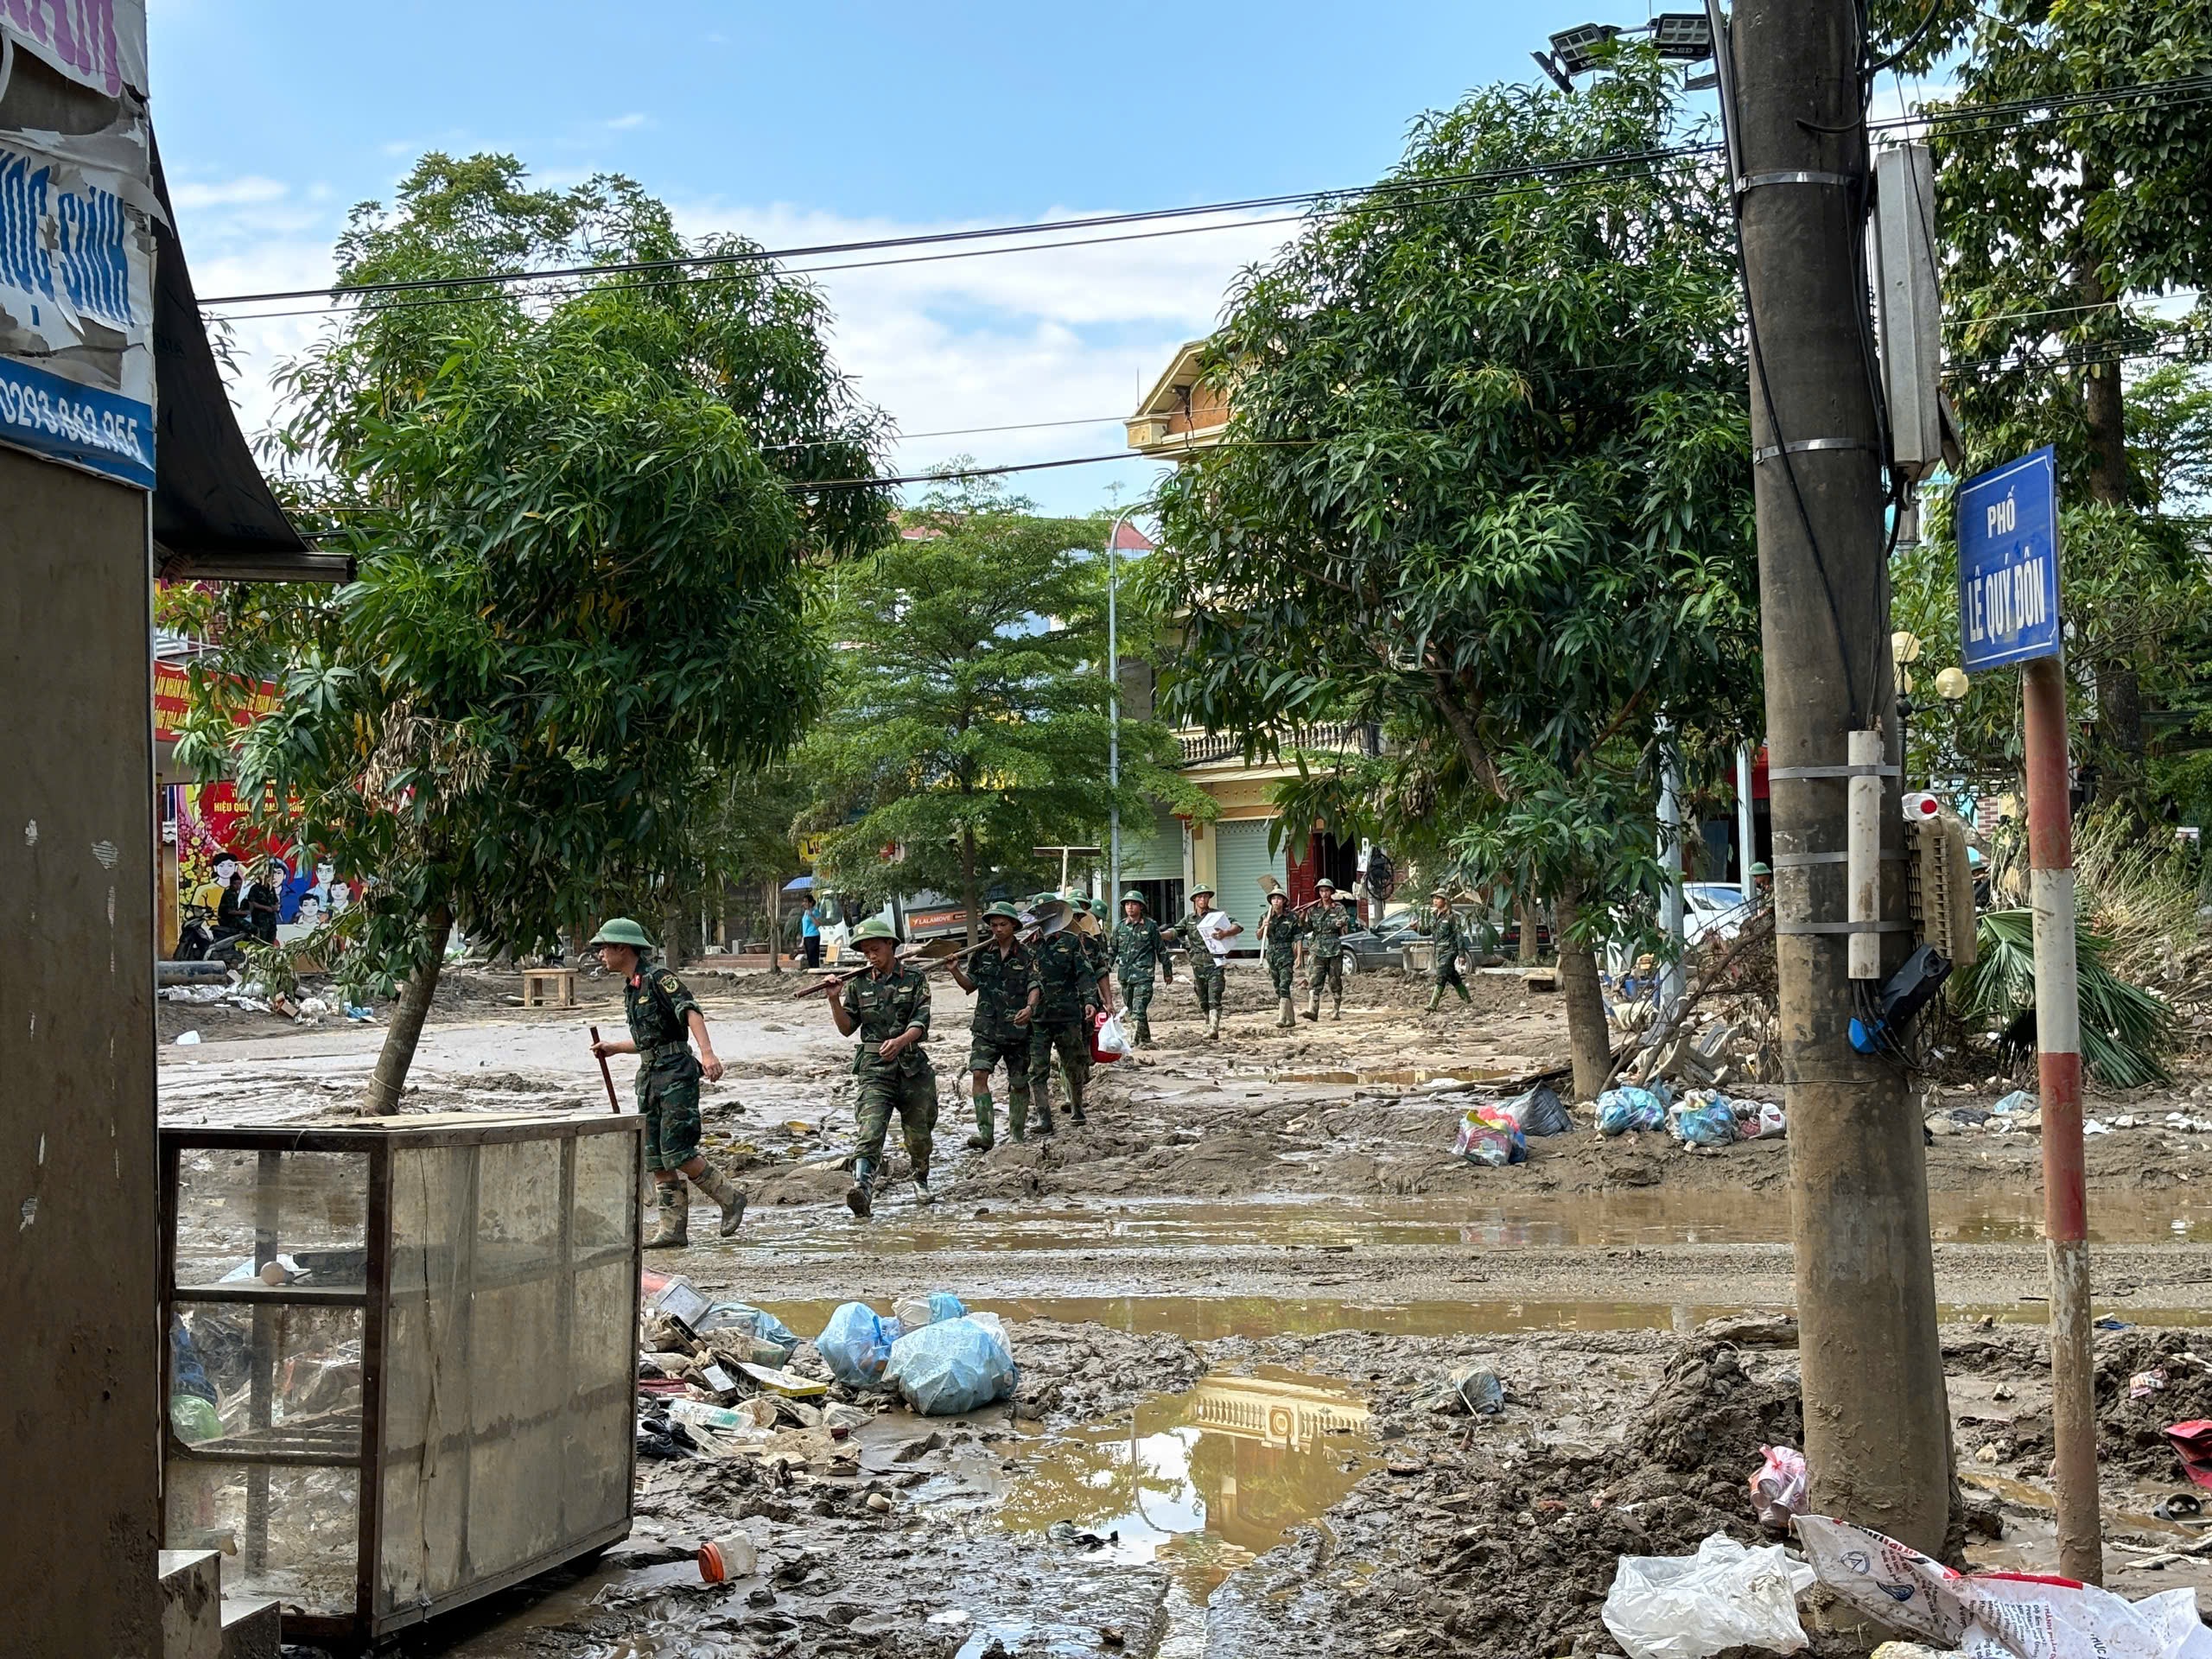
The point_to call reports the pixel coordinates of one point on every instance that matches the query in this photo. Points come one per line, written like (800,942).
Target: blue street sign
(2008,563)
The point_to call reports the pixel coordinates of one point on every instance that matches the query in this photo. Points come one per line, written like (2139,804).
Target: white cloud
(231,193)
(998,340)
(627,123)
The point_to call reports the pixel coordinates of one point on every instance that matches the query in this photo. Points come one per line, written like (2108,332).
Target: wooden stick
(605,1076)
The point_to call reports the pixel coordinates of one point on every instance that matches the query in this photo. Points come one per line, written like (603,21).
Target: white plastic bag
(1778,1487)
(1112,1039)
(1997,1615)
(1690,1607)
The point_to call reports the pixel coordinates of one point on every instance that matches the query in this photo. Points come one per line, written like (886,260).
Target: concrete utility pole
(1877,1422)
(1114,707)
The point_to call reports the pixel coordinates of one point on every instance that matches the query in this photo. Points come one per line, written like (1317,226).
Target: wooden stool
(549,988)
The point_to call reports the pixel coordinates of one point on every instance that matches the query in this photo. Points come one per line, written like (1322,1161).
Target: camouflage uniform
(1279,931)
(883,1007)
(1064,972)
(1325,933)
(659,1007)
(659,1010)
(1451,939)
(1002,987)
(1137,946)
(1206,975)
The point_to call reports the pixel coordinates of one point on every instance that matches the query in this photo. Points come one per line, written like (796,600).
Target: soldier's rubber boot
(1434,997)
(1017,1114)
(922,1193)
(675,1230)
(1313,1007)
(1144,1033)
(1045,1110)
(1213,1023)
(982,1140)
(857,1200)
(727,1194)
(1285,1020)
(1075,1102)
(1336,1007)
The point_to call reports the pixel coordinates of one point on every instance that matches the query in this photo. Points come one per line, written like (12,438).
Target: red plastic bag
(1107,1042)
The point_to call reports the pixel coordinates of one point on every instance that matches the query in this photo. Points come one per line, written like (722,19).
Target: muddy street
(1237,1298)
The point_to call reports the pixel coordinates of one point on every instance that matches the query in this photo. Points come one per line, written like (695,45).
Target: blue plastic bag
(1627,1107)
(943,1305)
(953,1366)
(1703,1120)
(856,1345)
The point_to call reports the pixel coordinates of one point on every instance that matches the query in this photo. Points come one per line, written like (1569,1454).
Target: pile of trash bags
(1496,1132)
(943,1359)
(1703,1118)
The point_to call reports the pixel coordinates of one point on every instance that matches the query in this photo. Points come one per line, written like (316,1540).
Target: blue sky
(828,121)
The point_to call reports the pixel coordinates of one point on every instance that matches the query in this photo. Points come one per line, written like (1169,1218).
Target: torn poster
(76,310)
(96,43)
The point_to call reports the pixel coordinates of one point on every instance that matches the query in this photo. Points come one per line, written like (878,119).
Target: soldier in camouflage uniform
(1278,931)
(663,1018)
(1196,931)
(1067,975)
(1003,976)
(889,1006)
(1451,939)
(1325,933)
(1138,945)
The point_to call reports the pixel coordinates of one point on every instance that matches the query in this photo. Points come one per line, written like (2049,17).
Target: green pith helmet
(621,931)
(1133,897)
(875,928)
(1200,888)
(1760,869)
(1006,910)
(1036,899)
(1324,885)
(1098,908)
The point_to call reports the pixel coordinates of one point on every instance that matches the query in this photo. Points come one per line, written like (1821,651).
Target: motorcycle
(199,940)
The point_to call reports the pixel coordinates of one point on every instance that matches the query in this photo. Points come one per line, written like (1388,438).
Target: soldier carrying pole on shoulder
(888,1006)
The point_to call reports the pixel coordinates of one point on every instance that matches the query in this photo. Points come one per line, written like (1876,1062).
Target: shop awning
(214,517)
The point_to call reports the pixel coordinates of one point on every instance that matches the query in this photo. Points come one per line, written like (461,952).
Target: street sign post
(2009,613)
(2008,563)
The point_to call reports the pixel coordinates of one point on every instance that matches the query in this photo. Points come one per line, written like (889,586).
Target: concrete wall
(80,1384)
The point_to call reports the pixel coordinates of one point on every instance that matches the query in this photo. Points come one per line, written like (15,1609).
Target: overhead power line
(755,256)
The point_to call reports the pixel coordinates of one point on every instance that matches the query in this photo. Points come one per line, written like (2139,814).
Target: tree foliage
(582,555)
(1484,485)
(972,715)
(2077,244)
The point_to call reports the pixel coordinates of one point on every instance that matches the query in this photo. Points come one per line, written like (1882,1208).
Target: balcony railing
(1199,747)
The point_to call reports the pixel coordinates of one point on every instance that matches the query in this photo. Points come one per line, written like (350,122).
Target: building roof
(1181,414)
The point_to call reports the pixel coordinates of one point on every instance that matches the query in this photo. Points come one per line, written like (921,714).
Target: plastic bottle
(730,1556)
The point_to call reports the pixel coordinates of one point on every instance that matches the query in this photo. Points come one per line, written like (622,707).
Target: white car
(1712,910)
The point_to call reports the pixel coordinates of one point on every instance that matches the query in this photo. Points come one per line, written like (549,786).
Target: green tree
(2059,227)
(583,587)
(972,717)
(1484,485)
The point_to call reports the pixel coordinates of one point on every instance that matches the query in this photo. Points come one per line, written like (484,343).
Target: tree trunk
(389,1078)
(775,926)
(970,894)
(1589,1039)
(1532,949)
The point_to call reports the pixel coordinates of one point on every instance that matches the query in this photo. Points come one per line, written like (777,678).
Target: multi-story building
(1179,417)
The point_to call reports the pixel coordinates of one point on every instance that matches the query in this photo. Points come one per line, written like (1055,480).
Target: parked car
(1713,910)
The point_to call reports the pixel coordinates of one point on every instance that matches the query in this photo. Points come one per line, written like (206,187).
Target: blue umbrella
(799,884)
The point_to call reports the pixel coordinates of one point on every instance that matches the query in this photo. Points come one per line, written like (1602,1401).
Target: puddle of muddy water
(1587,1221)
(1416,1077)
(1210,1318)
(1202,1482)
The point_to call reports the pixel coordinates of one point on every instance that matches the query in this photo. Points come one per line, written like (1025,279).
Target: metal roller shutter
(1241,858)
(1152,853)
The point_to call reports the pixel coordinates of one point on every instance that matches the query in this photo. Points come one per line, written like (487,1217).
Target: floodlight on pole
(1679,36)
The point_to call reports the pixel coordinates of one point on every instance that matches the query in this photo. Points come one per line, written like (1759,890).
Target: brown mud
(1234,1295)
